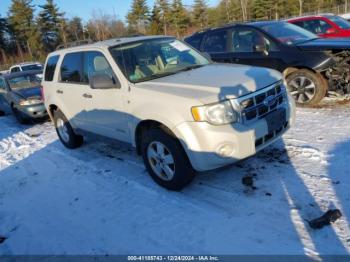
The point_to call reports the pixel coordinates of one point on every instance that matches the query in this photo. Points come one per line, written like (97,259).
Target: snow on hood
(215,82)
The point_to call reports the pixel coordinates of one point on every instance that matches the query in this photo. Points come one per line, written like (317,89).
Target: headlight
(30,102)
(220,113)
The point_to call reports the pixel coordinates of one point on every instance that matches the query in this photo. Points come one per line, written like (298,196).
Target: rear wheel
(306,87)
(165,160)
(65,131)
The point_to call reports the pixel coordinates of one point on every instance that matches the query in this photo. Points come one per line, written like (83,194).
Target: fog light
(225,150)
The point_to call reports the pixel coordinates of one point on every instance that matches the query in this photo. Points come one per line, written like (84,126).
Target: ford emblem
(269,101)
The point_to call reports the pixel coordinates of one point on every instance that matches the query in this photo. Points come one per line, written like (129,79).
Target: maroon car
(325,26)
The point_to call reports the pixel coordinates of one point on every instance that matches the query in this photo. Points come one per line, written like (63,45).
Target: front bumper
(34,111)
(203,141)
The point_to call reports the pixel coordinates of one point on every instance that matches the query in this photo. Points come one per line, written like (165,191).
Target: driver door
(103,108)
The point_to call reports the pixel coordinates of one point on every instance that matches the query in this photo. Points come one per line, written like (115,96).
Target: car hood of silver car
(215,82)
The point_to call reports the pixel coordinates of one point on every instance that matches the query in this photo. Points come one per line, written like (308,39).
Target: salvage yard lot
(99,199)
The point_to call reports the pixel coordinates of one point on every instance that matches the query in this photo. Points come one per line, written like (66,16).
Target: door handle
(87,95)
(59,92)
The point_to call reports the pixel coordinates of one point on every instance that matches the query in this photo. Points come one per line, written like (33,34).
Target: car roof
(111,43)
(252,23)
(22,73)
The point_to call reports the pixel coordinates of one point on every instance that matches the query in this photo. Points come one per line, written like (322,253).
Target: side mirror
(103,81)
(331,30)
(261,49)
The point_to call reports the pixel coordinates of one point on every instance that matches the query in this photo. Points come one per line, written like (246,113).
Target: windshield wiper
(164,74)
(155,76)
(191,67)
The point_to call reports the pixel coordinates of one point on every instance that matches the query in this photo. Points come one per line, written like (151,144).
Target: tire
(20,117)
(183,172)
(306,87)
(65,131)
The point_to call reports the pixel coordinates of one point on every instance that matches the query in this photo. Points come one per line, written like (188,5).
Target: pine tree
(49,25)
(200,13)
(263,9)
(21,20)
(179,18)
(3,43)
(156,25)
(138,17)
(3,29)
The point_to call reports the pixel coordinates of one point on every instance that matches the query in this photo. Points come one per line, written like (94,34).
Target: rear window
(341,22)
(51,67)
(72,68)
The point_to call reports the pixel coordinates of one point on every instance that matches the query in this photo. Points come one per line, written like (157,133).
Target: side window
(95,63)
(72,68)
(195,41)
(216,42)
(250,40)
(51,67)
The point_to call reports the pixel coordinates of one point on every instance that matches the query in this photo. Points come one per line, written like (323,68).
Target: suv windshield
(287,33)
(341,22)
(32,67)
(147,60)
(24,81)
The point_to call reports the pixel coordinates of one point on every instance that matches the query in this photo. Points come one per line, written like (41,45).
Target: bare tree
(300,7)
(244,4)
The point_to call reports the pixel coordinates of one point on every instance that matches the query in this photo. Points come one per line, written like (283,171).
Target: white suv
(29,66)
(182,112)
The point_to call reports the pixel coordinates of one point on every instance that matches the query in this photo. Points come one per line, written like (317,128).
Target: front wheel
(165,160)
(306,87)
(65,131)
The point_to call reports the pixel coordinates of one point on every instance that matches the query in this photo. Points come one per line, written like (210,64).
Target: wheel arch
(146,125)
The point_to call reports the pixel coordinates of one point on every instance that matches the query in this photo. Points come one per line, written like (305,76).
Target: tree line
(29,32)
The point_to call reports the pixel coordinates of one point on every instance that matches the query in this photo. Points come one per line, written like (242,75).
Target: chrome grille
(254,106)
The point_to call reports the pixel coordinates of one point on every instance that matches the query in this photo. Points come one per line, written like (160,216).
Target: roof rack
(75,43)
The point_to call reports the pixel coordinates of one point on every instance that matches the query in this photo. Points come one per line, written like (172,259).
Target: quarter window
(216,42)
(71,68)
(51,67)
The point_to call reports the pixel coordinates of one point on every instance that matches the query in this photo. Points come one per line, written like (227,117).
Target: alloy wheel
(161,161)
(62,130)
(302,88)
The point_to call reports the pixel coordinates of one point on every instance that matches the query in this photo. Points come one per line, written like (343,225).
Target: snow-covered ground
(100,200)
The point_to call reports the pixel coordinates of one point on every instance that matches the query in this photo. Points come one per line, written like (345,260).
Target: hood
(26,93)
(215,82)
(323,44)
